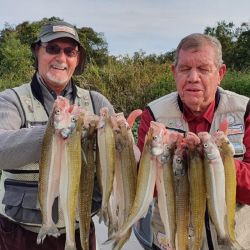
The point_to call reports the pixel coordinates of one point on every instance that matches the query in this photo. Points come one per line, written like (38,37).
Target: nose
(193,75)
(61,55)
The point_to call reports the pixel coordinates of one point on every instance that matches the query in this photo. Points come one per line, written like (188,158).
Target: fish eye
(73,119)
(205,145)
(57,112)
(179,160)
(155,137)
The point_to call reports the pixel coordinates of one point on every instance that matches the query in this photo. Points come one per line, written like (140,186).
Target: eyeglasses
(54,49)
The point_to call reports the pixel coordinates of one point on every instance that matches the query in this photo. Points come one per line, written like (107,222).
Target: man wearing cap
(24,112)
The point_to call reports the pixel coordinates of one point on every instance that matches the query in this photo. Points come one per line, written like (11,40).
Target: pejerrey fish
(196,175)
(87,178)
(145,185)
(215,184)
(181,196)
(60,127)
(106,149)
(227,153)
(166,188)
(126,172)
(70,177)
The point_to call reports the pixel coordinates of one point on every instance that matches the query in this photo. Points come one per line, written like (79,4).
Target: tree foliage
(235,43)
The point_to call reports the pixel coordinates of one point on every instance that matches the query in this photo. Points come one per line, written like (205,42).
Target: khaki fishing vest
(22,183)
(231,106)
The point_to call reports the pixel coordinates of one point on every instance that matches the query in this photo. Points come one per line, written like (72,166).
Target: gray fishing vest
(18,188)
(166,110)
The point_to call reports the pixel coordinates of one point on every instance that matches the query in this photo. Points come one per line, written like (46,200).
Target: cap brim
(56,35)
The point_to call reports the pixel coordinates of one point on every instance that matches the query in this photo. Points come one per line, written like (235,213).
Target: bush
(127,82)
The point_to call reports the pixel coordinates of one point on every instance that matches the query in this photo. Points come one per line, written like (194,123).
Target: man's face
(57,69)
(197,77)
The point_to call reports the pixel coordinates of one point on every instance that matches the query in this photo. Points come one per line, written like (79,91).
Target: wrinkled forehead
(203,55)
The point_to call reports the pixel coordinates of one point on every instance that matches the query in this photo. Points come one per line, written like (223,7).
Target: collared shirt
(199,123)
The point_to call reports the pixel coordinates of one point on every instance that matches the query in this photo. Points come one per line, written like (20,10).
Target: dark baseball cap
(60,29)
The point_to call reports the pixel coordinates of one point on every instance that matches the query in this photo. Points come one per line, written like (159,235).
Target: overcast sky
(154,26)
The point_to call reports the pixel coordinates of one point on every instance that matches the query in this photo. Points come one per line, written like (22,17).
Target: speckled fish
(166,188)
(128,172)
(227,152)
(181,196)
(215,184)
(106,149)
(145,185)
(70,177)
(59,127)
(196,175)
(87,179)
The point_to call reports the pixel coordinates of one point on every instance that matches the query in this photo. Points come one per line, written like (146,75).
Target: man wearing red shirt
(201,105)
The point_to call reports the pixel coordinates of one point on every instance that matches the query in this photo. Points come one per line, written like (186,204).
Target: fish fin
(229,244)
(70,246)
(109,240)
(47,230)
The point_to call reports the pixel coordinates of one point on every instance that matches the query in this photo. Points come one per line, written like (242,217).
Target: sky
(153,26)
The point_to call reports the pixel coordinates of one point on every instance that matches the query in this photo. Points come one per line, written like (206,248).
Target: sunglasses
(54,49)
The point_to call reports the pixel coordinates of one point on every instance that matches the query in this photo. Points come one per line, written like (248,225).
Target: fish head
(104,112)
(104,116)
(158,133)
(179,163)
(210,149)
(60,108)
(192,140)
(65,117)
(223,143)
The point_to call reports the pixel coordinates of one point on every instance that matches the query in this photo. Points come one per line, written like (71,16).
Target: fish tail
(132,117)
(230,244)
(118,244)
(70,246)
(47,230)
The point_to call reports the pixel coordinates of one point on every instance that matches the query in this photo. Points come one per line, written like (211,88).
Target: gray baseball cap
(56,30)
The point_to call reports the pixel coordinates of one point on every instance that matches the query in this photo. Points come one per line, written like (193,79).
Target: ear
(222,72)
(173,68)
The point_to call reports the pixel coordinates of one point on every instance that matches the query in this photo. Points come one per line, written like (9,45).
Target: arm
(19,146)
(243,169)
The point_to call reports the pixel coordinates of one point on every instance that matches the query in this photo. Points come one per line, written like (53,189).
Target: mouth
(59,67)
(193,90)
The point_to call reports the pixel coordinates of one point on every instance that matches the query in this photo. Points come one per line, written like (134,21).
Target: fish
(50,165)
(215,184)
(165,187)
(146,179)
(70,177)
(182,188)
(227,152)
(127,165)
(196,174)
(106,150)
(87,179)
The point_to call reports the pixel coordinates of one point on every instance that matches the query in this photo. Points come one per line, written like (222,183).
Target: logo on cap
(64,29)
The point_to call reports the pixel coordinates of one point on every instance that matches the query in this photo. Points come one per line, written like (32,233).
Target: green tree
(95,45)
(234,41)
(15,57)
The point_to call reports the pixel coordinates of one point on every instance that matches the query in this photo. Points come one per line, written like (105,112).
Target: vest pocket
(21,202)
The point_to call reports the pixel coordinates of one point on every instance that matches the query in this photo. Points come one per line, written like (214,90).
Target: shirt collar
(208,114)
